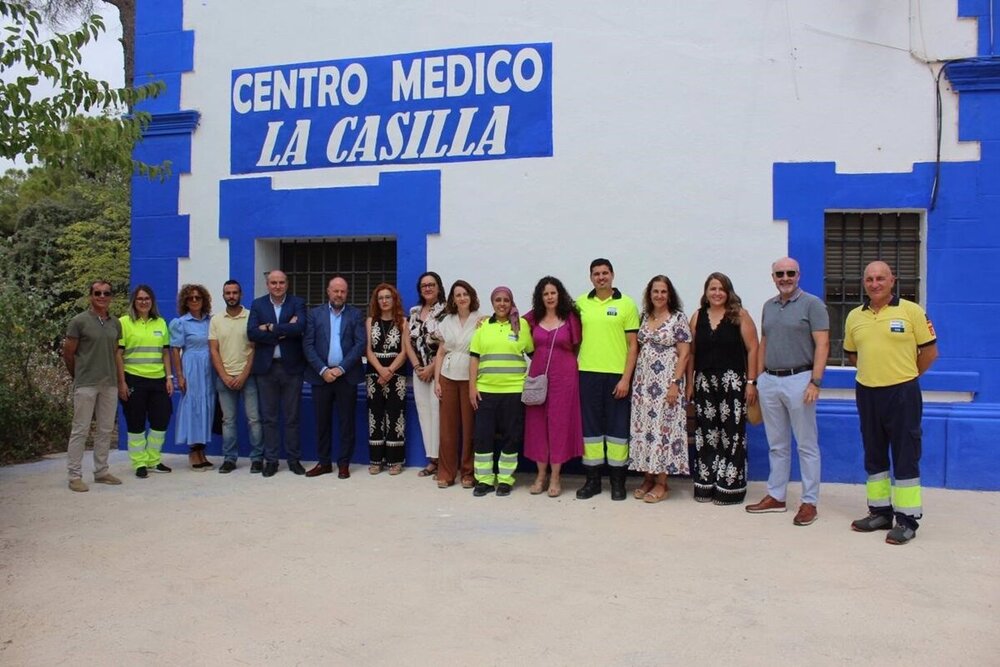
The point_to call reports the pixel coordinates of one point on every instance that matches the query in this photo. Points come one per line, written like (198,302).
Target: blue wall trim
(182,122)
(962,243)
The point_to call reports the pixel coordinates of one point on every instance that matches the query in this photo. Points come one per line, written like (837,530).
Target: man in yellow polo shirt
(606,359)
(892,343)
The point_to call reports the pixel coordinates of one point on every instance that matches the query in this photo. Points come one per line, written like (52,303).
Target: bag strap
(552,345)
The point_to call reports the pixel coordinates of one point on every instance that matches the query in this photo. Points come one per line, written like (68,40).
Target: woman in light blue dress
(189,347)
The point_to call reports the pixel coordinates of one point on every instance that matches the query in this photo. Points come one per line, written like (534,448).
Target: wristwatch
(818,383)
(752,383)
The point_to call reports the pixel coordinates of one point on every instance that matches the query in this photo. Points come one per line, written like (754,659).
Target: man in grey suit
(334,344)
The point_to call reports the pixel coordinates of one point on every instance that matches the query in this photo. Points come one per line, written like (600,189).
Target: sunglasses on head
(781,274)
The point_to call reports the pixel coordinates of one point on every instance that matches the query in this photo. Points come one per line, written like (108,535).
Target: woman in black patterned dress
(386,353)
(724,384)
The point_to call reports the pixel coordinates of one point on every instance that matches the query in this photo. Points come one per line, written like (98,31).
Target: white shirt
(455,341)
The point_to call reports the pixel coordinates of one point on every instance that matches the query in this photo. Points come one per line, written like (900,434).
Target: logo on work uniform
(930,326)
(612,311)
(897,326)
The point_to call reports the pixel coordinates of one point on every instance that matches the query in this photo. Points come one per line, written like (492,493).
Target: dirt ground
(206,569)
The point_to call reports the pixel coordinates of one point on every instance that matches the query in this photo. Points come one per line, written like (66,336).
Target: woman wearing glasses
(145,383)
(386,353)
(425,317)
(189,352)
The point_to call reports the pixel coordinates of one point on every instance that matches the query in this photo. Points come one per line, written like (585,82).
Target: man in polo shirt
(794,345)
(232,359)
(606,359)
(89,353)
(892,343)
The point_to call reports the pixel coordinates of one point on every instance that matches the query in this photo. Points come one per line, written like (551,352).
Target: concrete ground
(207,569)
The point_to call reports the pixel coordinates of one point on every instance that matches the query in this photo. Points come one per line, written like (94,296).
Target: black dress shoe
(318,469)
(270,468)
(227,467)
(159,467)
(503,489)
(343,471)
(296,467)
(256,467)
(482,489)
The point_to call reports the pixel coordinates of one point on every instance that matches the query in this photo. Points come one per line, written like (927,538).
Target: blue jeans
(786,413)
(229,400)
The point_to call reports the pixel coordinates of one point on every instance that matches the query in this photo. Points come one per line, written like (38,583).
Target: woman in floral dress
(725,378)
(658,443)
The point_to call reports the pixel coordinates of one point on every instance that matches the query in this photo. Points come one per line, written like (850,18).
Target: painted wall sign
(474,103)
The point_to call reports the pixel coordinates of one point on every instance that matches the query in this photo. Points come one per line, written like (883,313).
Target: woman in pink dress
(553,432)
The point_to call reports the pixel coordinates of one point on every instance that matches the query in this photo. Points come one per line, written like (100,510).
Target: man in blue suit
(277,321)
(334,344)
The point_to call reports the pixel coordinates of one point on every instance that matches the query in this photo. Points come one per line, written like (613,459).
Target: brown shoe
(320,469)
(806,514)
(768,504)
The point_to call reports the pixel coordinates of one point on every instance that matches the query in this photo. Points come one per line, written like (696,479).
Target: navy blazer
(286,333)
(316,343)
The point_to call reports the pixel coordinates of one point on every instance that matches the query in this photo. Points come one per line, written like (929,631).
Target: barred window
(852,241)
(363,261)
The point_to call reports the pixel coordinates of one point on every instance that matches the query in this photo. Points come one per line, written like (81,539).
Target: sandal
(541,483)
(647,485)
(654,497)
(468,482)
(554,490)
(429,470)
(374,468)
(443,484)
(395,468)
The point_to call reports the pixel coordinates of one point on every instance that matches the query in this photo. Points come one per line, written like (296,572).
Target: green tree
(33,128)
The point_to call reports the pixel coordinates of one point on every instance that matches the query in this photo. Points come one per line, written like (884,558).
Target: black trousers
(147,401)
(279,392)
(386,420)
(344,396)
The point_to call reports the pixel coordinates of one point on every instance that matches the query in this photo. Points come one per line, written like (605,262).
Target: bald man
(892,343)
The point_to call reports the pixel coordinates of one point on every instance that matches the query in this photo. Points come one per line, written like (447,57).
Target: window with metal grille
(852,241)
(363,261)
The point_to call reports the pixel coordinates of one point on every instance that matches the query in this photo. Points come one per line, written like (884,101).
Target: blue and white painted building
(498,142)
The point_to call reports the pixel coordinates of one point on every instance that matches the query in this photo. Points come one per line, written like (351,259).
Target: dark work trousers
(499,425)
(344,396)
(386,420)
(147,401)
(891,433)
(279,392)
(606,420)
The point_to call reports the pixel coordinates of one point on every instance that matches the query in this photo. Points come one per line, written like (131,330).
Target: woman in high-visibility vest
(145,383)
(496,378)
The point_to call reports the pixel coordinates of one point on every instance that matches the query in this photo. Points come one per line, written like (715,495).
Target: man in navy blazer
(334,344)
(276,324)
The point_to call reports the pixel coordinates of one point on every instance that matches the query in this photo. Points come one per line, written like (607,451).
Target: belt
(785,372)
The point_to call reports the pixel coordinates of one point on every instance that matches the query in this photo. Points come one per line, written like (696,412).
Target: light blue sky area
(102,58)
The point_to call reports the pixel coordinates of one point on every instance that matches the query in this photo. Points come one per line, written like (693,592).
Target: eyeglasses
(194,297)
(142,298)
(782,274)
(428,285)
(106,293)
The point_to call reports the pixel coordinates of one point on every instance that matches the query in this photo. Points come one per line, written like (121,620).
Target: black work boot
(592,487)
(617,476)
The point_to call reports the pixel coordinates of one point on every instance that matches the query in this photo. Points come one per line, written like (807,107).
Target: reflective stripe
(878,488)
(142,348)
(500,357)
(137,449)
(617,454)
(501,369)
(593,451)
(878,475)
(906,497)
(616,441)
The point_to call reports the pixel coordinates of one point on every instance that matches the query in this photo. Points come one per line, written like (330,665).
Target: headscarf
(515,316)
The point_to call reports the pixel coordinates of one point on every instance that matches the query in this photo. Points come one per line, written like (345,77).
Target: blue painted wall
(961,448)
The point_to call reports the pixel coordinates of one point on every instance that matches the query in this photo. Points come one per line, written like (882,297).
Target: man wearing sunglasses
(89,353)
(794,345)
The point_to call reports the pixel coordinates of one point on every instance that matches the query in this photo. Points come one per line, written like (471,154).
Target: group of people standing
(608,382)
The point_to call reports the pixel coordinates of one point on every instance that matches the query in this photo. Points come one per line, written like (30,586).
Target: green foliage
(33,128)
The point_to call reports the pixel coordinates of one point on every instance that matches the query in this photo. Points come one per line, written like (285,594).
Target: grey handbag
(536,389)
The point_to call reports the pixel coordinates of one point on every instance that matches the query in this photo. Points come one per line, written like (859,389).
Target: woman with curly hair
(386,353)
(193,364)
(553,431)
(724,385)
(658,443)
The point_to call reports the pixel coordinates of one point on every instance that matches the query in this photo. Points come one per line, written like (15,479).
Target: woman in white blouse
(451,374)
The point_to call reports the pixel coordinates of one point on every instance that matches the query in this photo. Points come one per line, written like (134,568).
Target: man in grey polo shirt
(89,354)
(794,344)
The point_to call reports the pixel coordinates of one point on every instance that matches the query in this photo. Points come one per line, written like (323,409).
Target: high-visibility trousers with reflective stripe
(606,420)
(499,427)
(891,432)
